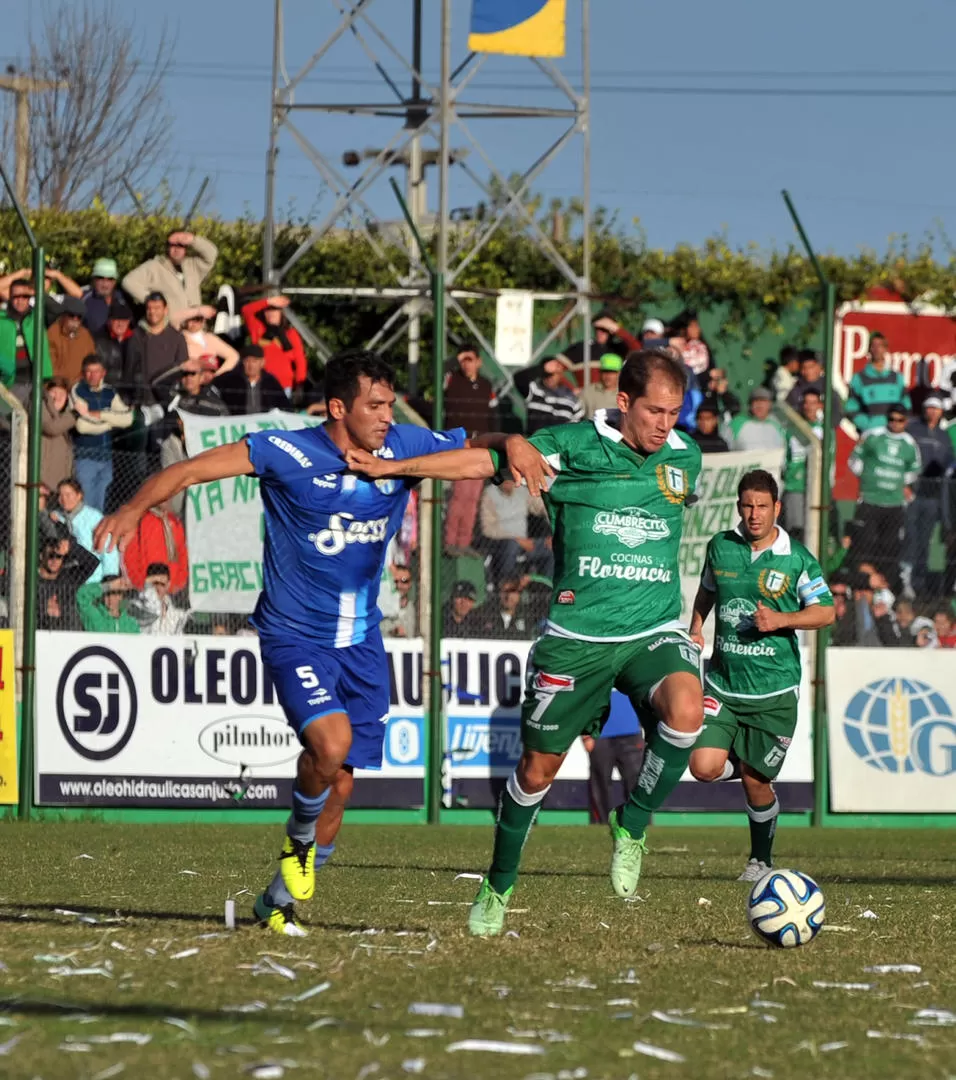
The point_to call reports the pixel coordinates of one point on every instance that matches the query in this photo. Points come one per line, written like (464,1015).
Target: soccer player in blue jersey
(326,533)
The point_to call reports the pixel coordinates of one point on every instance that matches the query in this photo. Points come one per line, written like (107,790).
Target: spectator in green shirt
(102,606)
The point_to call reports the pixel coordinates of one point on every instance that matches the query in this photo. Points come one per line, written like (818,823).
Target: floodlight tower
(428,117)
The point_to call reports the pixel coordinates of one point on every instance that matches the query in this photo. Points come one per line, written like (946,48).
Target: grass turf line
(686,956)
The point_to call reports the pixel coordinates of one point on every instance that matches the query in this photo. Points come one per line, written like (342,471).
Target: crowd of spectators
(123,357)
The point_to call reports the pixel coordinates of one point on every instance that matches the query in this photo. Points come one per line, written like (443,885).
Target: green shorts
(569,683)
(760,732)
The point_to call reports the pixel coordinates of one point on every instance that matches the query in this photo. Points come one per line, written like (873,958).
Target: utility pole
(22,86)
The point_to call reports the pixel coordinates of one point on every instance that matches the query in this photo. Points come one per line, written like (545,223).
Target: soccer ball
(786,908)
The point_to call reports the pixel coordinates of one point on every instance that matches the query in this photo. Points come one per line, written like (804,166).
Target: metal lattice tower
(429,117)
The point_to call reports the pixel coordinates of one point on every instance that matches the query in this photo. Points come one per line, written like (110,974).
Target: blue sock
(305,812)
(322,854)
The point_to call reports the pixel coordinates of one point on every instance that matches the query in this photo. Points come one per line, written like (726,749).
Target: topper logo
(344,529)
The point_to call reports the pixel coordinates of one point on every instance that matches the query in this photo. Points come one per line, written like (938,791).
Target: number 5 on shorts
(307,677)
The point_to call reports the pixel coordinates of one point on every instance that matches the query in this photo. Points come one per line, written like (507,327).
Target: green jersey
(747,663)
(616,517)
(886,462)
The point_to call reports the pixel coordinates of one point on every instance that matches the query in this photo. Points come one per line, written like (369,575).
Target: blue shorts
(312,681)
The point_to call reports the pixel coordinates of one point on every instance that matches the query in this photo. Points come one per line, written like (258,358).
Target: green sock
(763,825)
(516,813)
(665,760)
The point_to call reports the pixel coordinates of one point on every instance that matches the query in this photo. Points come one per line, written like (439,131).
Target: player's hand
(116,530)
(697,637)
(767,620)
(361,461)
(588,741)
(527,463)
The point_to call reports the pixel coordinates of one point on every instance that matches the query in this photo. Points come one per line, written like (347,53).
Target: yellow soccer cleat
(280,920)
(297,864)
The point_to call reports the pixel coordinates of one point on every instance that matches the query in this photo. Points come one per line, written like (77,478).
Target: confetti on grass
(434,1008)
(494,1046)
(649,1050)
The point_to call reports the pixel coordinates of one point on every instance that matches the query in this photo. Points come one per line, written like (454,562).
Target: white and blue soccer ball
(786,908)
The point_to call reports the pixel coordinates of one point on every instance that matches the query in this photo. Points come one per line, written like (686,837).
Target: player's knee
(707,767)
(328,745)
(535,772)
(342,785)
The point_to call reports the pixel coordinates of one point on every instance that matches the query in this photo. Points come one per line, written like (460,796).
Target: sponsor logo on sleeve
(565,596)
(543,683)
(293,451)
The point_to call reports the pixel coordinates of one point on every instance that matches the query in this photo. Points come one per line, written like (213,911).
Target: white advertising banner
(892,723)
(224,519)
(715,511)
(193,722)
(514,327)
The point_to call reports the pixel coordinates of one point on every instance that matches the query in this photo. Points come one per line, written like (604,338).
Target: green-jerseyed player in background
(616,505)
(765,587)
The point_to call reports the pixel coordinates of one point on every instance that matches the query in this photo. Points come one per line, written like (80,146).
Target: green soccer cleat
(627,858)
(487,915)
(280,920)
(297,863)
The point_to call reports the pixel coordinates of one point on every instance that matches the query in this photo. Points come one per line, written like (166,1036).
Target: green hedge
(748,299)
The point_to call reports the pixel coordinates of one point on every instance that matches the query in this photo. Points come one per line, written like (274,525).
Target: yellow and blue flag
(518,27)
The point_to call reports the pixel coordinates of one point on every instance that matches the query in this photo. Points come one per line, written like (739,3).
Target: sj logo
(773,584)
(672,483)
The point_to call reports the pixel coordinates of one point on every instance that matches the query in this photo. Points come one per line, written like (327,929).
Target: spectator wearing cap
(706,433)
(102,606)
(757,430)
(249,388)
(281,342)
(654,334)
(16,341)
(101,294)
(887,462)
(178,274)
(549,400)
(925,510)
(112,345)
(609,337)
(458,618)
(70,341)
(214,354)
(874,389)
(470,403)
(100,411)
(156,350)
(603,394)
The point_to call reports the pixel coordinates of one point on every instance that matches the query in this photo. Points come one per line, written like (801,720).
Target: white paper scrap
(892,969)
(702,901)
(137,1038)
(821,985)
(108,1074)
(649,1050)
(105,971)
(83,856)
(313,992)
(424,1033)
(867,914)
(266,1071)
(686,1021)
(7,1047)
(494,1046)
(323,1021)
(183,954)
(183,1025)
(230,914)
(903,1036)
(469,877)
(826,1048)
(200,1071)
(934,1018)
(413,1065)
(190,873)
(434,1008)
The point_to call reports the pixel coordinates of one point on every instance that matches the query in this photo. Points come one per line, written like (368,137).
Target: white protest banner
(715,511)
(224,527)
(892,725)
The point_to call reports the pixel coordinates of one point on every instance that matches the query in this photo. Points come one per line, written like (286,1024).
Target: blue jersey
(326,531)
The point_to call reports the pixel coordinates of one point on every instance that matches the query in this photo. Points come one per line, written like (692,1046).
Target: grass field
(141,910)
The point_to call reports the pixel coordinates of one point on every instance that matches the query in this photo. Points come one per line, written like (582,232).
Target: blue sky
(873,159)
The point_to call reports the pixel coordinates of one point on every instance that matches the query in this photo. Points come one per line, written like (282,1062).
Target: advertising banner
(892,725)
(193,722)
(224,518)
(715,511)
(9,792)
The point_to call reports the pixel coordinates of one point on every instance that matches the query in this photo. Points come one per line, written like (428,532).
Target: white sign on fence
(224,519)
(514,327)
(892,721)
(124,720)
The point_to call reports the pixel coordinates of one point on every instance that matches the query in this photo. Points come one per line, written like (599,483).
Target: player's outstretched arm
(703,605)
(221,462)
(447,465)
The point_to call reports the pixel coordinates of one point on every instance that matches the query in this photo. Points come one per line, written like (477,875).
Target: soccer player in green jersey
(616,505)
(765,587)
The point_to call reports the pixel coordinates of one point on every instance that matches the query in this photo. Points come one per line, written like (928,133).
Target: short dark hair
(758,480)
(810,354)
(877,336)
(788,353)
(640,367)
(811,391)
(92,358)
(108,579)
(157,295)
(71,481)
(343,371)
(255,351)
(469,346)
(157,568)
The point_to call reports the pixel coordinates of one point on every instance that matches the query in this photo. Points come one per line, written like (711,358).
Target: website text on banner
(173,722)
(9,790)
(716,510)
(892,716)
(224,519)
